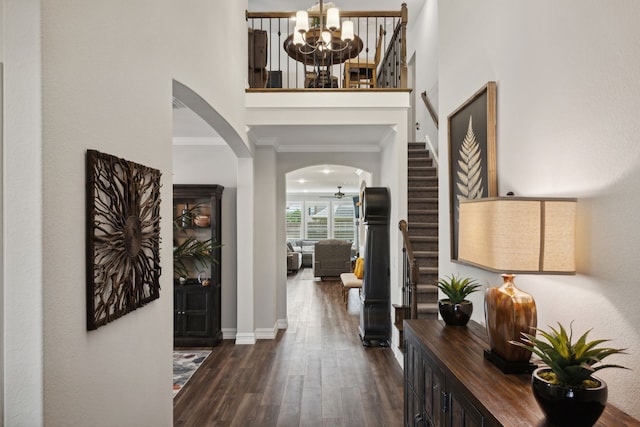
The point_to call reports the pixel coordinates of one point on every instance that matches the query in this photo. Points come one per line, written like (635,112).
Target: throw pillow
(358,270)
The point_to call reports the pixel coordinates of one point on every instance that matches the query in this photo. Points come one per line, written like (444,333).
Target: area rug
(185,364)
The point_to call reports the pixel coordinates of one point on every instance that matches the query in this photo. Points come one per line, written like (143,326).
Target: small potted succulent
(456,309)
(565,389)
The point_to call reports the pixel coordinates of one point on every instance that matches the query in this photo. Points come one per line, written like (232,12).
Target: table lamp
(515,235)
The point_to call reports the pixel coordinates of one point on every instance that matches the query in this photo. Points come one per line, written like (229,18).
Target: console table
(447,382)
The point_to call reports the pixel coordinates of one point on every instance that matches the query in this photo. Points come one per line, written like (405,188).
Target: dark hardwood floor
(315,373)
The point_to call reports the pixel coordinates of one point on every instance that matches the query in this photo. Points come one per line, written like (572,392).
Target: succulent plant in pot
(456,309)
(566,389)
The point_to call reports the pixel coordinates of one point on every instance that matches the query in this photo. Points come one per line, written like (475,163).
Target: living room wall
(96,75)
(567,125)
(216,164)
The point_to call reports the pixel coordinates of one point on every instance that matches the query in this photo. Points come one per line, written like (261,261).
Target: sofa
(331,258)
(294,259)
(305,248)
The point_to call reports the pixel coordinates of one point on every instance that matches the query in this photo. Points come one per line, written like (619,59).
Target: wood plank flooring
(315,373)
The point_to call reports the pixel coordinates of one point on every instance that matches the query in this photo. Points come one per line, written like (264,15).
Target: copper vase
(509,311)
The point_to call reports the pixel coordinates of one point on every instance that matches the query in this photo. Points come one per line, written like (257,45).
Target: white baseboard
(283,323)
(260,333)
(267,333)
(245,338)
(229,333)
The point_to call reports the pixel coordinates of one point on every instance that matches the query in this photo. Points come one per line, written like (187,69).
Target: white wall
(216,164)
(265,244)
(104,88)
(393,176)
(105,82)
(422,40)
(567,126)
(22,181)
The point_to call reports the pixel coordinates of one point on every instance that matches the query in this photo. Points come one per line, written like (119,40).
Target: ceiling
(323,179)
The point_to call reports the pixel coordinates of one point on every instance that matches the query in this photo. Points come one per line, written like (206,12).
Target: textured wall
(105,83)
(199,164)
(567,126)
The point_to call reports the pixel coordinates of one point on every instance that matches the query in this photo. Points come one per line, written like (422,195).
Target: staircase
(423,226)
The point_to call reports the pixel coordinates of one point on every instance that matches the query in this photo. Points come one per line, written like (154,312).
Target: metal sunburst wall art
(123,237)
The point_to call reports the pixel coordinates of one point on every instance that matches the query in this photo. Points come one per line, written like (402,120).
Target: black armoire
(375,298)
(196,309)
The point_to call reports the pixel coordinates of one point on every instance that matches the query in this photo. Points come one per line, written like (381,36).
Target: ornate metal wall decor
(123,237)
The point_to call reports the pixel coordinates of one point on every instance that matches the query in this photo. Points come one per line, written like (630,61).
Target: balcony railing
(275,63)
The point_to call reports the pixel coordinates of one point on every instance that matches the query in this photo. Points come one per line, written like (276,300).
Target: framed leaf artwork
(472,154)
(123,237)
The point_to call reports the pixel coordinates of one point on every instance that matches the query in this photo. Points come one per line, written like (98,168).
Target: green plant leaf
(572,362)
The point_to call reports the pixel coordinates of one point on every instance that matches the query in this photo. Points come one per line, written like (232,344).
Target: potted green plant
(456,309)
(191,253)
(566,389)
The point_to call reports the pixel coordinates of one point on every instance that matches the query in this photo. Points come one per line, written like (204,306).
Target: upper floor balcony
(354,51)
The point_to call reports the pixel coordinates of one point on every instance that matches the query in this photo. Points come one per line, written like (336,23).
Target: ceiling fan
(338,195)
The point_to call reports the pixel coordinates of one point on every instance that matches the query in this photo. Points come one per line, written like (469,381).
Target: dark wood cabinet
(448,383)
(191,312)
(196,312)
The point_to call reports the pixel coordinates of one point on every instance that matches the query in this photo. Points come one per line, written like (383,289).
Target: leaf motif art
(469,167)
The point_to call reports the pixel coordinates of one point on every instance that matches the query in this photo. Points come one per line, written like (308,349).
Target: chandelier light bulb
(347,31)
(333,18)
(302,21)
(326,39)
(298,39)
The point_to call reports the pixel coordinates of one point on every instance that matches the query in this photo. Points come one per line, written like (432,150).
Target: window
(294,220)
(317,220)
(343,220)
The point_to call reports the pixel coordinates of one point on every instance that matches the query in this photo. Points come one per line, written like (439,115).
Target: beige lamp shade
(518,234)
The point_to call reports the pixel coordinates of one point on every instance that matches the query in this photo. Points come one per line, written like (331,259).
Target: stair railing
(410,272)
(271,67)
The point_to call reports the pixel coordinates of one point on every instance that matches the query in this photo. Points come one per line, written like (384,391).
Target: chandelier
(321,38)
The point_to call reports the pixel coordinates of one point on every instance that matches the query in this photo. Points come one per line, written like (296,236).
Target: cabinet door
(196,314)
(462,412)
(414,384)
(439,397)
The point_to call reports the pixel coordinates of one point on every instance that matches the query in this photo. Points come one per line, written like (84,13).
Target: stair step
(424,243)
(427,294)
(423,204)
(425,254)
(417,146)
(428,275)
(427,181)
(423,229)
(418,156)
(427,262)
(422,171)
(415,192)
(419,161)
(427,310)
(423,215)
